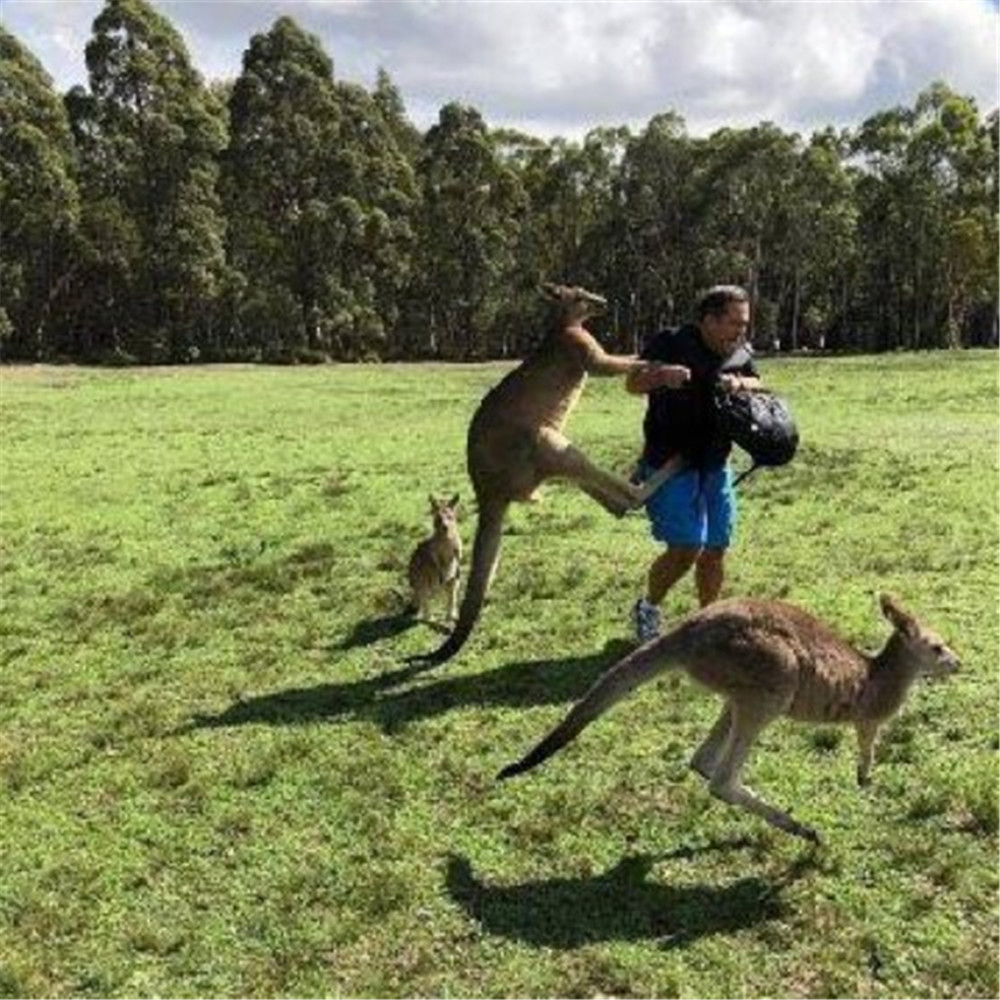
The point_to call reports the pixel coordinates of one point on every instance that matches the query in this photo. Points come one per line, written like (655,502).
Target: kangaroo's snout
(947,665)
(596,304)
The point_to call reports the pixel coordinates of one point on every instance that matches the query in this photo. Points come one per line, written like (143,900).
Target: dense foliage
(289,215)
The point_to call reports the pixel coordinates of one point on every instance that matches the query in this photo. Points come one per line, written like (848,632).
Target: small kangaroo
(767,659)
(516,442)
(436,561)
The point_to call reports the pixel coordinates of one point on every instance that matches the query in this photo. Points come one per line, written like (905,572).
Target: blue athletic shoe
(645,620)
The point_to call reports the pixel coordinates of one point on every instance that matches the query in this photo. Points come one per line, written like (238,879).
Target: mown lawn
(219,778)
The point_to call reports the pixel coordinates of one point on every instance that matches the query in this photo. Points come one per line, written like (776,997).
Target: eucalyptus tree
(39,203)
(535,162)
(879,147)
(583,193)
(978,299)
(814,254)
(927,215)
(951,152)
(376,203)
(753,206)
(473,204)
(149,134)
(283,116)
(598,256)
(961,148)
(746,177)
(660,218)
(320,197)
(567,232)
(537,256)
(390,104)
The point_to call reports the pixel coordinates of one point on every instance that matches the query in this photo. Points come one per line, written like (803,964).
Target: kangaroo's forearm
(640,380)
(613,364)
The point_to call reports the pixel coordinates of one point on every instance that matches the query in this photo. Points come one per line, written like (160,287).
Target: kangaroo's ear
(432,500)
(548,289)
(894,612)
(453,502)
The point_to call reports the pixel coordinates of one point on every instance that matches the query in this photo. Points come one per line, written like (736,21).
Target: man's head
(723,318)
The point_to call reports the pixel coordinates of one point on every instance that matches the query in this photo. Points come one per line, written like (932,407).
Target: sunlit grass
(220,779)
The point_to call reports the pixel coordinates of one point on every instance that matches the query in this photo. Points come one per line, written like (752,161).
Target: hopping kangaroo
(767,659)
(436,561)
(516,442)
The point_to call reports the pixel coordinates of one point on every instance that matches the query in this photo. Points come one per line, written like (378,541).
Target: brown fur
(516,442)
(768,659)
(435,564)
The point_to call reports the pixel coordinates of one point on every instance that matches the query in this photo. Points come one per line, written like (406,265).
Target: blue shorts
(694,509)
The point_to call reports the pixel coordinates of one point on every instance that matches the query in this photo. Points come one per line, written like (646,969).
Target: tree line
(288,215)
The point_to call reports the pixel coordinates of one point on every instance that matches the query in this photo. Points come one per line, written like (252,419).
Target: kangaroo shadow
(372,630)
(385,700)
(621,904)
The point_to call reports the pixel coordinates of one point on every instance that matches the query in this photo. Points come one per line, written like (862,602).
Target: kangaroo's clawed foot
(783,821)
(620,510)
(633,497)
(801,830)
(808,833)
(740,795)
(616,503)
(638,497)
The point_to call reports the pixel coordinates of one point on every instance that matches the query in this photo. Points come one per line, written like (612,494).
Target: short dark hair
(716,300)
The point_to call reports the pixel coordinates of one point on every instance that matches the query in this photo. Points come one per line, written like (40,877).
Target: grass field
(219,778)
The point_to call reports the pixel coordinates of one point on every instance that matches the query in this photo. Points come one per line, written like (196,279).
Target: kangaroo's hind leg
(706,757)
(452,589)
(560,458)
(726,782)
(666,471)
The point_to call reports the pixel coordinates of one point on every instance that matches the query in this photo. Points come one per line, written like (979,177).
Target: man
(694,511)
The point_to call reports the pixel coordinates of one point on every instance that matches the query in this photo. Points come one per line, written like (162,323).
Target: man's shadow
(386,700)
(621,904)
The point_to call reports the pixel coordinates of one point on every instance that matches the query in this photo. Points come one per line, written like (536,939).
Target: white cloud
(564,66)
(55,31)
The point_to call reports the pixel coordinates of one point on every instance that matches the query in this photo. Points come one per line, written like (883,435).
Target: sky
(563,67)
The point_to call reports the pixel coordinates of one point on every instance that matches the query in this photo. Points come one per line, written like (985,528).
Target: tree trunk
(796,302)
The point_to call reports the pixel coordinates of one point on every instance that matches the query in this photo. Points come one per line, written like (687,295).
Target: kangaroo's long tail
(485,556)
(615,683)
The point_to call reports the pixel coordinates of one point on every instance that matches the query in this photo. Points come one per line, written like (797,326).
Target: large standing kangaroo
(516,442)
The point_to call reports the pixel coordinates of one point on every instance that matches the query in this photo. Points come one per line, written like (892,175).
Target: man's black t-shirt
(683,420)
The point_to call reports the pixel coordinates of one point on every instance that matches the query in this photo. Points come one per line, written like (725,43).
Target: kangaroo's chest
(826,693)
(562,404)
(541,393)
(447,557)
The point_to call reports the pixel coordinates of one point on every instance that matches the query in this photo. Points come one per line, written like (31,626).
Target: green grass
(219,779)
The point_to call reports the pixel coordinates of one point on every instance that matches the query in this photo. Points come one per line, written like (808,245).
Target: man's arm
(656,375)
(733,383)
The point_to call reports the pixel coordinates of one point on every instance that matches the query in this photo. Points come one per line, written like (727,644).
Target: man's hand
(731,382)
(671,376)
(649,375)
